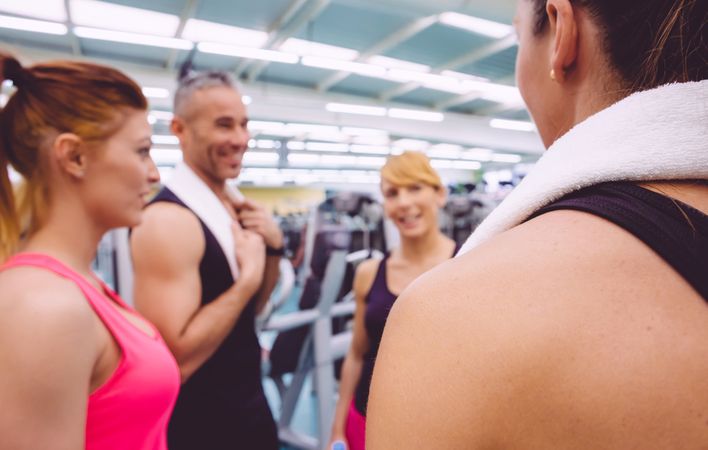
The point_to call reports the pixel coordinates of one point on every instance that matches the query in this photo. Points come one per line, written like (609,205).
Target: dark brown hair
(86,99)
(648,42)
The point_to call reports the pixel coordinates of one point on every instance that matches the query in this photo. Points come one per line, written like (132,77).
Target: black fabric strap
(674,230)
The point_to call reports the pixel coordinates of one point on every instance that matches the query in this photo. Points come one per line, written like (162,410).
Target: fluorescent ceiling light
(166,156)
(338,160)
(371,161)
(507,158)
(161,115)
(110,16)
(296,145)
(326,147)
(203,31)
(356,131)
(300,158)
(393,63)
(165,139)
(310,128)
(53,10)
(515,125)
(328,137)
(494,92)
(373,149)
(462,76)
(133,38)
(311,48)
(252,157)
(37,26)
(456,165)
(267,144)
(347,66)
(411,144)
(477,154)
(412,114)
(356,109)
(429,80)
(450,151)
(475,24)
(260,125)
(247,52)
(370,140)
(156,92)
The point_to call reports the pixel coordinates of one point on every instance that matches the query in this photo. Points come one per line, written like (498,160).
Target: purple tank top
(379,302)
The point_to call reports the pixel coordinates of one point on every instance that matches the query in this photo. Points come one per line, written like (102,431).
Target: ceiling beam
(457,100)
(472,96)
(190,8)
(285,27)
(389,42)
(74,41)
(475,55)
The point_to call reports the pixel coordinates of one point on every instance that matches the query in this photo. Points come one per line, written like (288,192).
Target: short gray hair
(196,81)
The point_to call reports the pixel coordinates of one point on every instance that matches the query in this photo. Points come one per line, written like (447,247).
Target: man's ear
(69,151)
(564,29)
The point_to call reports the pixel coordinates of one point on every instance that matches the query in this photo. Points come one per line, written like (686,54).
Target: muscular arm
(47,354)
(167,248)
(351,370)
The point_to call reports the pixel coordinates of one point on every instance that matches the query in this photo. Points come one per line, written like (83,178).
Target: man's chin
(231,173)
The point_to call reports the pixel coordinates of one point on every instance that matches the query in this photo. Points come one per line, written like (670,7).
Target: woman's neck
(421,248)
(72,240)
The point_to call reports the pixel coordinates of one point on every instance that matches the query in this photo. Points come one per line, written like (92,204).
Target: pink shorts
(356,429)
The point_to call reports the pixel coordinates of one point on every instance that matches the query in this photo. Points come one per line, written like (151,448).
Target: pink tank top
(132,408)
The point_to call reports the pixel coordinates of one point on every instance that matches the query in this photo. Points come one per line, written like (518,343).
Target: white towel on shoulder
(659,134)
(187,185)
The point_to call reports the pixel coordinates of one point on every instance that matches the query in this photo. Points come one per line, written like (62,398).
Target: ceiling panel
(47,41)
(257,15)
(496,66)
(437,45)
(363,86)
(352,27)
(153,56)
(164,6)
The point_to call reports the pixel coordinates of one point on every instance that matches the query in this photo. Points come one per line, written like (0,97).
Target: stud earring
(553,75)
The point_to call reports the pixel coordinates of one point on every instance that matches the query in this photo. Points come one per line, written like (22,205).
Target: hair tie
(13,71)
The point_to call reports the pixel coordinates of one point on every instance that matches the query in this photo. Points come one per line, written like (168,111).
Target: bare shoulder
(521,331)
(364,275)
(38,307)
(168,232)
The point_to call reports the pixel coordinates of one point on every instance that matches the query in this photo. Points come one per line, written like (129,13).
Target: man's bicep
(166,250)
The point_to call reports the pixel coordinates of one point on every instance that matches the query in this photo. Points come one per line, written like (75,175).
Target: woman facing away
(412,197)
(81,369)
(577,317)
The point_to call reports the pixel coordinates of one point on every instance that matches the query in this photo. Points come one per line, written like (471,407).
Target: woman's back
(575,335)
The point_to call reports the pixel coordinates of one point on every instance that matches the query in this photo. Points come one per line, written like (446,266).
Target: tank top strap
(380,286)
(108,314)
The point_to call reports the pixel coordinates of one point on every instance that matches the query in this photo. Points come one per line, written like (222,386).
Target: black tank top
(224,398)
(674,230)
(379,302)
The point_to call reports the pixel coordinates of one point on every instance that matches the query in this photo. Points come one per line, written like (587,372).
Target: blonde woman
(413,195)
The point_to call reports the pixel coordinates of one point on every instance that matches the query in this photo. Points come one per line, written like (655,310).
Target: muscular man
(202,274)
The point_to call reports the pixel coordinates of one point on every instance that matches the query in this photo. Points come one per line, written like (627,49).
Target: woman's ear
(564,29)
(70,154)
(441,196)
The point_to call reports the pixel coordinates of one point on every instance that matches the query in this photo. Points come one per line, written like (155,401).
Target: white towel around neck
(659,134)
(192,190)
